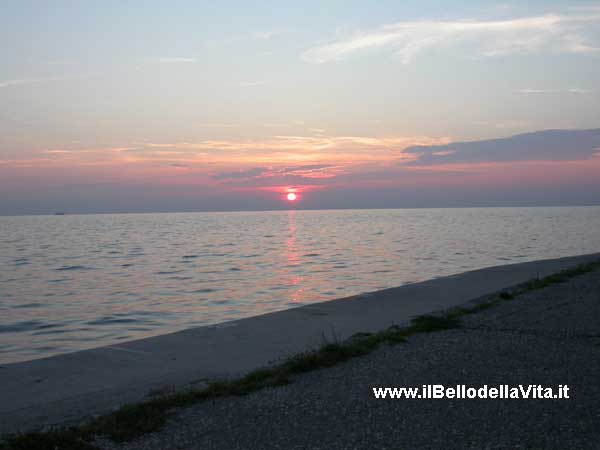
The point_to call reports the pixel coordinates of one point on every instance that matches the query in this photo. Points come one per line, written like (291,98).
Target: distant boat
(59,214)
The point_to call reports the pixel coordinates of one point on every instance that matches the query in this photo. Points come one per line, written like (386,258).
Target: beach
(71,388)
(549,337)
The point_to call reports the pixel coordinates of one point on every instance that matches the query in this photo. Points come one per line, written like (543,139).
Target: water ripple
(91,280)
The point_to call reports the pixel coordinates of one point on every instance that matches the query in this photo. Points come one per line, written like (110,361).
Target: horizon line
(207,211)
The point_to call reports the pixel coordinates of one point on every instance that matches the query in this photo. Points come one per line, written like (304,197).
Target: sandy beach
(555,327)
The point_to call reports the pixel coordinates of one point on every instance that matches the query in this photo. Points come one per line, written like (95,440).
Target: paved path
(70,387)
(547,337)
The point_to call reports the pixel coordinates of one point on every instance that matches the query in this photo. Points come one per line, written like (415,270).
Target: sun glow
(291,197)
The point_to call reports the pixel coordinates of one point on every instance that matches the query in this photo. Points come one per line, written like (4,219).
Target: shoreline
(68,388)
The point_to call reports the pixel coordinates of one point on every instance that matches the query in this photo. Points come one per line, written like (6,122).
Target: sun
(291,197)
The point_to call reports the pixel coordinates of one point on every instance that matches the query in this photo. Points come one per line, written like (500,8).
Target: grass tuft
(556,278)
(66,439)
(129,421)
(429,324)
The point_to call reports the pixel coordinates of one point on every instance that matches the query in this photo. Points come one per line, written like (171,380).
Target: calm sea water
(73,282)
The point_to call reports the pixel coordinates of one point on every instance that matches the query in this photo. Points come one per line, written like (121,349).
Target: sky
(140,106)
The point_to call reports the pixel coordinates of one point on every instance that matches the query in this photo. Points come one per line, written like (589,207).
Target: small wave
(111,320)
(139,328)
(203,291)
(190,256)
(9,280)
(50,331)
(28,325)
(310,255)
(65,268)
(224,302)
(278,287)
(29,305)
(11,241)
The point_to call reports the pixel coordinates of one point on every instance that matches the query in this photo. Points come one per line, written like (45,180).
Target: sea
(74,282)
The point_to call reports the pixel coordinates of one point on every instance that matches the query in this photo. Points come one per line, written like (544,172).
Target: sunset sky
(132,106)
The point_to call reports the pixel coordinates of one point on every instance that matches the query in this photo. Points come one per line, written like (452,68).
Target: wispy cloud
(217,125)
(314,149)
(306,171)
(572,90)
(78,151)
(508,124)
(263,35)
(25,81)
(245,83)
(322,157)
(168,60)
(274,151)
(290,124)
(562,33)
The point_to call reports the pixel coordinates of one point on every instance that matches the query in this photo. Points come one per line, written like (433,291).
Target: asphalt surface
(546,337)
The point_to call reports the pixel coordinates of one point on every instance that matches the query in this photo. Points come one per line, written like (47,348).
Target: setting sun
(291,197)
